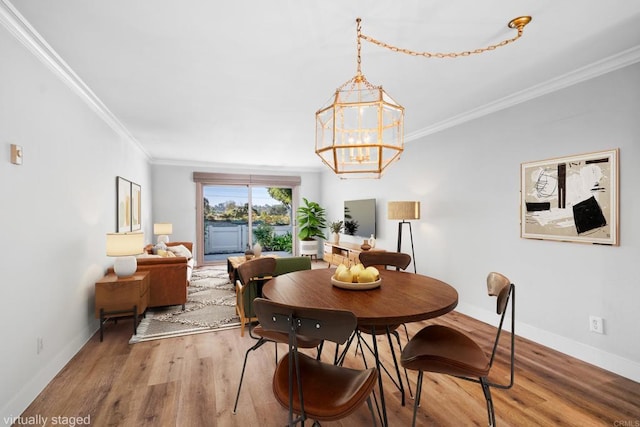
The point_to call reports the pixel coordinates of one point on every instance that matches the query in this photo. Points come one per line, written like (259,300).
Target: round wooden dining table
(402,297)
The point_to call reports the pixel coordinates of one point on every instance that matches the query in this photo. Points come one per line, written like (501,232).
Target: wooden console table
(343,253)
(122,297)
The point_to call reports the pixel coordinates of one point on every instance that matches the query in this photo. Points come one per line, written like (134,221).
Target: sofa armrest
(161,261)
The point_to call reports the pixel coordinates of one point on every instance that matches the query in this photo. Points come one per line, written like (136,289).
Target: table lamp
(404,211)
(162,230)
(124,246)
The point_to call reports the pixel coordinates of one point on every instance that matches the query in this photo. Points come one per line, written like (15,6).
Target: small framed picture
(136,203)
(123,205)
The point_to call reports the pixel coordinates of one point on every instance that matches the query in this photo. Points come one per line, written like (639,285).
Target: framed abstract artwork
(136,203)
(123,205)
(572,199)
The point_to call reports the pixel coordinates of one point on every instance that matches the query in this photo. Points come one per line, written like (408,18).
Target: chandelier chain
(438,54)
(359,35)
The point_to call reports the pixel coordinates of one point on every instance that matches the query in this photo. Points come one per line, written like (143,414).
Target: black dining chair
(399,261)
(445,350)
(308,387)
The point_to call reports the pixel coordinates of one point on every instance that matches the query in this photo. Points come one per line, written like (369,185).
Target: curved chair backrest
(317,323)
(252,275)
(256,268)
(498,286)
(394,259)
(501,287)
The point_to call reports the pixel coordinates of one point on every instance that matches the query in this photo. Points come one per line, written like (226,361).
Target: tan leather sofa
(168,277)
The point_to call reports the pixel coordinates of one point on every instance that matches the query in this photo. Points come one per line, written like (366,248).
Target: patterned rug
(211,305)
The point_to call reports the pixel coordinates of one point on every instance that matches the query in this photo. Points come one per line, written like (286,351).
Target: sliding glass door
(272,219)
(226,219)
(234,215)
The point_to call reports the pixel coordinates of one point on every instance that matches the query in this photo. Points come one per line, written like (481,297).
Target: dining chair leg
(275,344)
(385,421)
(416,403)
(319,349)
(366,366)
(373,414)
(487,395)
(406,331)
(339,359)
(398,380)
(406,374)
(256,346)
(395,363)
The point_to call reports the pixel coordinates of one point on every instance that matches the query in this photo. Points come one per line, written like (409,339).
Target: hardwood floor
(192,381)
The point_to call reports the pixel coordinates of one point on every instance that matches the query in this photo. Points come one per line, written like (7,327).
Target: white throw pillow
(180,250)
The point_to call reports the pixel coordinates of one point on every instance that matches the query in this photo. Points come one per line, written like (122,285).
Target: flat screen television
(360,217)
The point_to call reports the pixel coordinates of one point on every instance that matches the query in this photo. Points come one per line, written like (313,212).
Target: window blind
(212,178)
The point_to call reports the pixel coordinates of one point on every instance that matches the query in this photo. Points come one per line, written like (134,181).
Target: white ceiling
(239,81)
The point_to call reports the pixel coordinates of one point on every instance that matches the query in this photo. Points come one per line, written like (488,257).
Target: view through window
(236,217)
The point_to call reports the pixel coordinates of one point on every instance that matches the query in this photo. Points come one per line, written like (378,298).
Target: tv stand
(343,253)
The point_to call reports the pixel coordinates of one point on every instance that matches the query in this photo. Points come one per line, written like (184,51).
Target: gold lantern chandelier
(361,130)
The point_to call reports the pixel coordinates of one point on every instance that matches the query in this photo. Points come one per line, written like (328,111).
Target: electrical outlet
(596,324)
(39,345)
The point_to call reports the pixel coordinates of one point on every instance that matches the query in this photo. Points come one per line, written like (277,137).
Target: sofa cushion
(166,254)
(180,250)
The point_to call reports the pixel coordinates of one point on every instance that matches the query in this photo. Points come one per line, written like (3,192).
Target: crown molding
(20,28)
(235,166)
(598,68)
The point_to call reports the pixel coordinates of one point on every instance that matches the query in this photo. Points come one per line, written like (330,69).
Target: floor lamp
(404,211)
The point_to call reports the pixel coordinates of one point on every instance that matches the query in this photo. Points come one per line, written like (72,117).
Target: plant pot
(335,237)
(309,247)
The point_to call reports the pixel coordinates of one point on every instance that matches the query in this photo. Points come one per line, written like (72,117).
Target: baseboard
(27,394)
(602,359)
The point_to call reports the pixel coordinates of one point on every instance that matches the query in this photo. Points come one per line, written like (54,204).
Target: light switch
(16,154)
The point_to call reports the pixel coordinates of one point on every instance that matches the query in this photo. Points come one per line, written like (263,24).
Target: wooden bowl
(356,286)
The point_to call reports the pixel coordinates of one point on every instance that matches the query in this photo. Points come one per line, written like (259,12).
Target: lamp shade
(125,244)
(162,228)
(403,210)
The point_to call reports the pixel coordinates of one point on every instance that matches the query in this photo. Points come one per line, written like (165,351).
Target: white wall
(467,179)
(56,209)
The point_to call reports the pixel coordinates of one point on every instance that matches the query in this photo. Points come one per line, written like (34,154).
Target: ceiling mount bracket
(519,22)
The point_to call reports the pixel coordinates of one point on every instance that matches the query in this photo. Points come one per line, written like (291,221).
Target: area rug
(211,305)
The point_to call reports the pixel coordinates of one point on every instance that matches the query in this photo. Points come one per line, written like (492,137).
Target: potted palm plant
(311,222)
(336,228)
